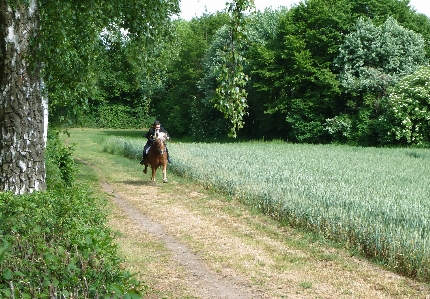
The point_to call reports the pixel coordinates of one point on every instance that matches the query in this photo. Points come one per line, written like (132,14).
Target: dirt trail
(191,243)
(206,283)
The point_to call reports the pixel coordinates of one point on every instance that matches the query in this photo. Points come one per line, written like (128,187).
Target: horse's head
(160,140)
(161,136)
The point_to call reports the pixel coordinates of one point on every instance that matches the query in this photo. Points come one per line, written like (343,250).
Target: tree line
(338,71)
(341,71)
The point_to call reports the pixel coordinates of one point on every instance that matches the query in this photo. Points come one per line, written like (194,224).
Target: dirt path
(187,242)
(206,283)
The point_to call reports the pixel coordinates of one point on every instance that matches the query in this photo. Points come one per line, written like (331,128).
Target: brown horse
(157,156)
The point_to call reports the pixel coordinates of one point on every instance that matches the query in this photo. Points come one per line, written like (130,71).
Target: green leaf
(20,274)
(7,274)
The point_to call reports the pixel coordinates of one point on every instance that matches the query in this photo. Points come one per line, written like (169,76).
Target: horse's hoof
(165,181)
(145,170)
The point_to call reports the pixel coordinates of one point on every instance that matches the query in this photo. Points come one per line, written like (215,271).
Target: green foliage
(108,55)
(293,74)
(264,70)
(203,120)
(230,94)
(57,244)
(119,117)
(73,61)
(339,127)
(372,200)
(210,118)
(374,58)
(407,118)
(177,104)
(61,169)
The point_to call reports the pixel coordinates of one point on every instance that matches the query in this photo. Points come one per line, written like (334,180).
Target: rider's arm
(149,134)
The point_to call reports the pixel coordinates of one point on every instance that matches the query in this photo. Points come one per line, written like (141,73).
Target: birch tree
(23,109)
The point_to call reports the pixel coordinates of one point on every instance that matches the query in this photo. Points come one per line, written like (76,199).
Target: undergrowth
(56,243)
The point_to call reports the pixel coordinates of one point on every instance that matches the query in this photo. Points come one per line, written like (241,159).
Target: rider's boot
(168,156)
(143,158)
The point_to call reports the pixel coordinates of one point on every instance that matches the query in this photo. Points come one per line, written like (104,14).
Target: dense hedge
(56,244)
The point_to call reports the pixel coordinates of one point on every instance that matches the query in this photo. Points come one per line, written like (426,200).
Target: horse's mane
(160,140)
(160,136)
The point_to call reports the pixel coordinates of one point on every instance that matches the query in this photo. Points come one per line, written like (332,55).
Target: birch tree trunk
(22,145)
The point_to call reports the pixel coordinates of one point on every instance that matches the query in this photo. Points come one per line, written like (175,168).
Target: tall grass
(373,200)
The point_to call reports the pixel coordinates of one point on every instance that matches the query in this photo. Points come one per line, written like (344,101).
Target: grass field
(372,200)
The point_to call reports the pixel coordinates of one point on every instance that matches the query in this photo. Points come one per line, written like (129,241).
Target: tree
(55,40)
(211,120)
(407,116)
(296,68)
(22,106)
(126,85)
(294,72)
(176,104)
(371,60)
(230,96)
(263,30)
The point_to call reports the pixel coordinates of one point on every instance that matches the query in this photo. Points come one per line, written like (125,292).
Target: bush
(116,116)
(61,169)
(57,243)
(408,110)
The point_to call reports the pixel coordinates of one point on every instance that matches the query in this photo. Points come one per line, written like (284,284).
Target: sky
(195,8)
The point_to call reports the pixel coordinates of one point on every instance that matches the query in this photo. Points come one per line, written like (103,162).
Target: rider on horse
(155,129)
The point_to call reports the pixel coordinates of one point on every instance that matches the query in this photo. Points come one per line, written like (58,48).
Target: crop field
(373,200)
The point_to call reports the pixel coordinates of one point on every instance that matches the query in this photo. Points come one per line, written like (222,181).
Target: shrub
(408,110)
(57,244)
(61,169)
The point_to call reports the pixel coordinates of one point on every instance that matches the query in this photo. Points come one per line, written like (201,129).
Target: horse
(157,156)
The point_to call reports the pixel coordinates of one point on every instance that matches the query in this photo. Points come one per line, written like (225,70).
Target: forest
(347,72)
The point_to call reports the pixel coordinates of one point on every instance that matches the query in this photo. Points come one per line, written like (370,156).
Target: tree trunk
(22,145)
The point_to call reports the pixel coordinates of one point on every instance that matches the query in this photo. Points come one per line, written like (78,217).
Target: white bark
(22,138)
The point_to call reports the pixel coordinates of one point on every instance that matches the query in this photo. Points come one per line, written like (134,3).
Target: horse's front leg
(165,173)
(153,173)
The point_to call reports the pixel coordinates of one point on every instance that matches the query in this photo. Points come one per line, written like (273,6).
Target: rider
(156,128)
